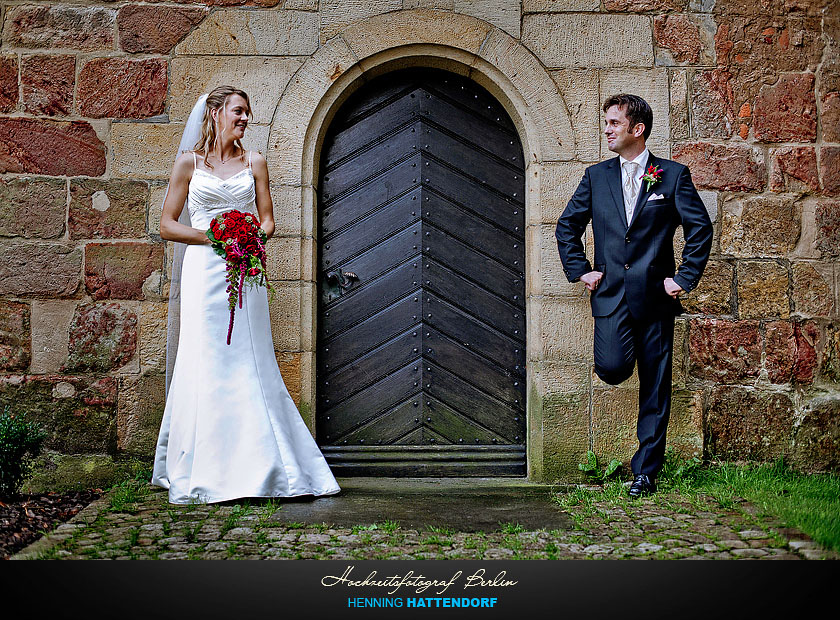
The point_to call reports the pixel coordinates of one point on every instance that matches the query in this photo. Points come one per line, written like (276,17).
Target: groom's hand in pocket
(591,280)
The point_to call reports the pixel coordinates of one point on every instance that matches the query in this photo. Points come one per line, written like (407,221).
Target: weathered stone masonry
(94,94)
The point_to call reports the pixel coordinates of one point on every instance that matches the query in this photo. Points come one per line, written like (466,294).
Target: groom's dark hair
(635,108)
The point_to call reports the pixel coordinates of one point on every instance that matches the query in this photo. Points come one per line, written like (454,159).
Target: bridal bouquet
(238,238)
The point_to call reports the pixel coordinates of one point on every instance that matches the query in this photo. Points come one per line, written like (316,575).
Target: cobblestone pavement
(665,526)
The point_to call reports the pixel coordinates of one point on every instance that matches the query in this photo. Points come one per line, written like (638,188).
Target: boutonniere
(653,175)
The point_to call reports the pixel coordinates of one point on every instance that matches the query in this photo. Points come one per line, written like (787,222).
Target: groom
(635,202)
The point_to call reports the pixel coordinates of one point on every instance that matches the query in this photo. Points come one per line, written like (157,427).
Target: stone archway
(427,38)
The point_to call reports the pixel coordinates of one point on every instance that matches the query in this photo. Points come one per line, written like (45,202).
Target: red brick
(118,270)
(120,88)
(15,336)
(724,351)
(48,84)
(791,351)
(795,170)
(103,337)
(8,83)
(722,167)
(32,207)
(830,170)
(107,209)
(831,117)
(39,269)
(155,29)
(787,110)
(59,26)
(50,147)
(680,35)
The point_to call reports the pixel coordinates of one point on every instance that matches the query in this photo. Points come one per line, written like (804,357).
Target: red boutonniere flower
(239,240)
(653,175)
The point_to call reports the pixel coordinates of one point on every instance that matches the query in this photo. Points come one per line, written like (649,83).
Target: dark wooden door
(421,355)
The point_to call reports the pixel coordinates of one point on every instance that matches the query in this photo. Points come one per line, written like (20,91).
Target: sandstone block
(336,15)
(724,351)
(560,6)
(286,312)
(714,293)
(722,167)
(787,111)
(558,182)
(831,117)
(589,40)
(155,29)
(827,219)
(39,269)
(264,79)
(32,207)
(397,28)
(50,334)
(287,210)
(714,113)
(791,351)
(290,369)
(140,408)
(759,226)
(644,6)
(85,28)
(120,88)
(567,327)
(830,170)
(744,423)
(153,321)
(830,363)
(812,288)
(685,427)
(78,412)
(579,89)
(15,336)
(652,86)
(684,39)
(269,33)
(501,13)
(564,432)
(794,170)
(762,290)
(284,258)
(118,270)
(102,337)
(680,126)
(47,82)
(817,438)
(550,276)
(550,115)
(144,150)
(8,83)
(48,147)
(107,209)
(615,411)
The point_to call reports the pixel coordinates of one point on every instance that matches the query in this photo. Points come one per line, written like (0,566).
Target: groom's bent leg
(615,349)
(654,349)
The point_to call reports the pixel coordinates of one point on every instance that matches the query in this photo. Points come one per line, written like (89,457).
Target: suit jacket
(636,258)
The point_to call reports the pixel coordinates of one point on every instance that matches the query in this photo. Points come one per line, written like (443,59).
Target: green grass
(807,502)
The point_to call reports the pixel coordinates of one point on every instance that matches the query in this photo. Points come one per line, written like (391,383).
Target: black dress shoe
(642,485)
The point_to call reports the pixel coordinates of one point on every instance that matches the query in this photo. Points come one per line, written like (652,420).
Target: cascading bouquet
(238,238)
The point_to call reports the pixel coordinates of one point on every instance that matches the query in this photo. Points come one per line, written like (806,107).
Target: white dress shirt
(631,193)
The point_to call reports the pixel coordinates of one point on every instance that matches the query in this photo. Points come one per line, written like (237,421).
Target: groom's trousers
(620,342)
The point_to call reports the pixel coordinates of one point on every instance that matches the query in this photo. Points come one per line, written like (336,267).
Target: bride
(230,429)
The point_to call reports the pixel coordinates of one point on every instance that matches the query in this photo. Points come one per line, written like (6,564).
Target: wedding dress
(230,429)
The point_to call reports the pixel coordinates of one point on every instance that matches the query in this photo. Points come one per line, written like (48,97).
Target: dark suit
(634,316)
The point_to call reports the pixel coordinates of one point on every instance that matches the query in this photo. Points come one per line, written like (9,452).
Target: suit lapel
(644,194)
(614,181)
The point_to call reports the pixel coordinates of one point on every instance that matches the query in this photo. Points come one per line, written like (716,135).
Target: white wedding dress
(230,429)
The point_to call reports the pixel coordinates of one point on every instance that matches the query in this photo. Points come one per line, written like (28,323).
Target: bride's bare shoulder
(184,164)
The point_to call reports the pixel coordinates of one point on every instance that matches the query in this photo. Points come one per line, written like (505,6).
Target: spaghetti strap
(195,162)
(249,158)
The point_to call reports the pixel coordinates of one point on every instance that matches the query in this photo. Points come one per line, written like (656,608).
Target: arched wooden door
(421,355)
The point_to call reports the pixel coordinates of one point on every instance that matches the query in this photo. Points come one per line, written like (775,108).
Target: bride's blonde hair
(216,100)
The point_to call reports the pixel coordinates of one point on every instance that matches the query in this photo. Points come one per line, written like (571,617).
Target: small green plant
(511,528)
(20,442)
(593,470)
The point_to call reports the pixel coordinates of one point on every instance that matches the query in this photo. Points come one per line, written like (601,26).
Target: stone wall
(94,93)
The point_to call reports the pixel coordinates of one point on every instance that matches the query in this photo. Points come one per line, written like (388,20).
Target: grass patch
(807,502)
